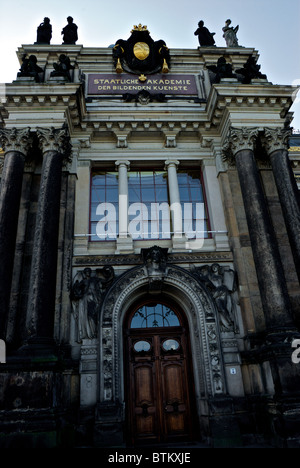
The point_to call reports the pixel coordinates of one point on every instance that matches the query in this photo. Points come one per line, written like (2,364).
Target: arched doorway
(159,385)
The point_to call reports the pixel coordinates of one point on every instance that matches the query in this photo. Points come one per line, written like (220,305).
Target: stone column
(124,241)
(16,143)
(270,274)
(41,298)
(176,210)
(275,141)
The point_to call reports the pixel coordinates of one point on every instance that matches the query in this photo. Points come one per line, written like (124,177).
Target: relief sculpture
(87,295)
(221,282)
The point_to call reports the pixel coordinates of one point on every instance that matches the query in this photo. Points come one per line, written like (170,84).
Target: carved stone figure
(221,70)
(155,260)
(30,68)
(250,70)
(44,32)
(70,35)
(221,283)
(230,34)
(63,67)
(205,37)
(87,295)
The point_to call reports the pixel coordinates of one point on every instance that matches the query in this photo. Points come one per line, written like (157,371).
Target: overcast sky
(270,26)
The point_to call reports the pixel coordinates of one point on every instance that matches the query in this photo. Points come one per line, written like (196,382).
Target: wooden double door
(159,386)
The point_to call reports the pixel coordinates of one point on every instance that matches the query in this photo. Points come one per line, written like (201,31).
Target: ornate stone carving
(221,282)
(276,139)
(16,139)
(155,260)
(88,291)
(243,138)
(200,309)
(55,139)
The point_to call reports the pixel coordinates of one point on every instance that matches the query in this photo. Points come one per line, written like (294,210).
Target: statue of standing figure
(44,32)
(87,294)
(205,37)
(69,32)
(230,34)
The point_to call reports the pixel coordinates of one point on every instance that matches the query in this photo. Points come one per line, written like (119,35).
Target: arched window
(153,315)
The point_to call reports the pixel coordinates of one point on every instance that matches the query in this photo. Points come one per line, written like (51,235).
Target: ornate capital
(276,139)
(239,139)
(55,139)
(16,140)
(171,163)
(120,163)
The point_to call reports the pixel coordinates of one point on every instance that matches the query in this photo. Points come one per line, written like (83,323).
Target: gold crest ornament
(139,28)
(141,50)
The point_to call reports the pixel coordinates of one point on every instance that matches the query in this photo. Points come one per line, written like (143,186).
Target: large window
(149,210)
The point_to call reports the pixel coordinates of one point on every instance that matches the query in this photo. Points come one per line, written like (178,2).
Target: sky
(272,27)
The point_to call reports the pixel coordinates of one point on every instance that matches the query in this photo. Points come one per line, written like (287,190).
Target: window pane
(104,206)
(154,315)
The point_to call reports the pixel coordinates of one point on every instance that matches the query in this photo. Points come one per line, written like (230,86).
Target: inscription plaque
(120,84)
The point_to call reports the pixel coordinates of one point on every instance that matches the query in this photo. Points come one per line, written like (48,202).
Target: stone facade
(65,296)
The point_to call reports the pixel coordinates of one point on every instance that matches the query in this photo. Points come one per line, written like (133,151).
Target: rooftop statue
(221,70)
(69,32)
(44,32)
(205,37)
(230,34)
(250,70)
(63,67)
(30,68)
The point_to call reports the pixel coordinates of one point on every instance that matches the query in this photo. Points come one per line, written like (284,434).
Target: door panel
(144,405)
(158,402)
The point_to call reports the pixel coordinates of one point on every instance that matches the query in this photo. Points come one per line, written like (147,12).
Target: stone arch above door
(157,278)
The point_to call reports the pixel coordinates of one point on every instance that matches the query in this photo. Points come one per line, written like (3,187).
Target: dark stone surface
(266,255)
(289,199)
(11,187)
(41,301)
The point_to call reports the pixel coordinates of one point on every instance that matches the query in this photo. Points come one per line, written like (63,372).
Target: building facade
(149,237)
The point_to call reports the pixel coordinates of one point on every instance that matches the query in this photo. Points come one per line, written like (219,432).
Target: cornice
(228,99)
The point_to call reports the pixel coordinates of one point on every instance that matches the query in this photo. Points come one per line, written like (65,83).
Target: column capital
(16,139)
(55,139)
(276,138)
(122,162)
(171,162)
(239,139)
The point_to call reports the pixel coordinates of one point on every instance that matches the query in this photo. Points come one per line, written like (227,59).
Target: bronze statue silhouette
(44,32)
(70,35)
